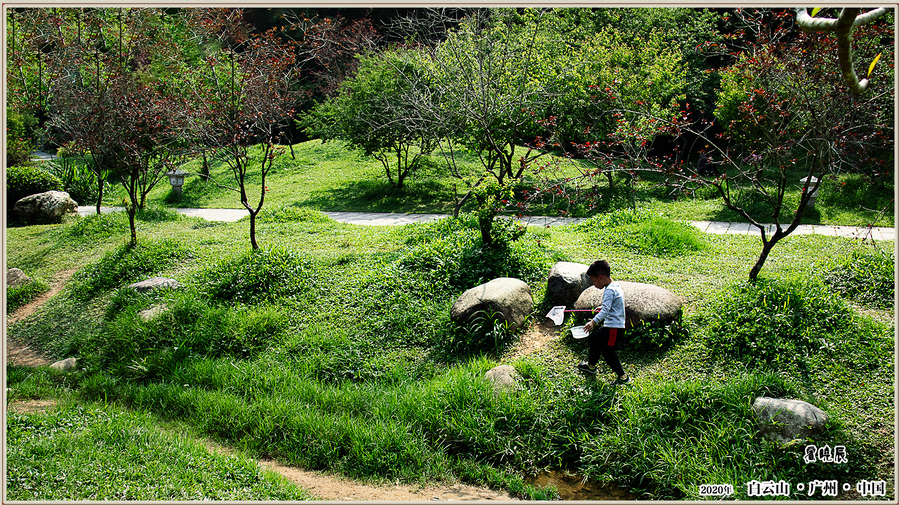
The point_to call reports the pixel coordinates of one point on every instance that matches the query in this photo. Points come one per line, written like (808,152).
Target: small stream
(574,487)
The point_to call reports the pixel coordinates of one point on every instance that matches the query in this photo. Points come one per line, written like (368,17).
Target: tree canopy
(507,85)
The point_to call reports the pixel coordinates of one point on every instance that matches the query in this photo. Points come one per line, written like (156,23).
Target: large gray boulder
(65,365)
(152,313)
(47,207)
(785,420)
(509,297)
(565,283)
(644,303)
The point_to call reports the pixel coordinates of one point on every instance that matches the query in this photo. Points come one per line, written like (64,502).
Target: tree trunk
(486,226)
(131,212)
(253,231)
(204,171)
(763,255)
(99,193)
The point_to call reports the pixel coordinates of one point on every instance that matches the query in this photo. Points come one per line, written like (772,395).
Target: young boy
(611,312)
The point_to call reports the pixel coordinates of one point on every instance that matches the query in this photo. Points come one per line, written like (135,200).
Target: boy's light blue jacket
(612,308)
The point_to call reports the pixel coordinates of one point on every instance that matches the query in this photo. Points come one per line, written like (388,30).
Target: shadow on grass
(762,213)
(379,196)
(197,192)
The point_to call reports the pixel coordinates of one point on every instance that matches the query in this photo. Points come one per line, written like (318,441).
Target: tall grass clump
(866,276)
(23,293)
(97,227)
(127,264)
(258,276)
(146,337)
(666,438)
(775,323)
(157,214)
(450,251)
(663,237)
(645,234)
(292,214)
(486,331)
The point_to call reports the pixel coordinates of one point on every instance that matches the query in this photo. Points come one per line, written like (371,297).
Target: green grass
(88,452)
(23,293)
(331,348)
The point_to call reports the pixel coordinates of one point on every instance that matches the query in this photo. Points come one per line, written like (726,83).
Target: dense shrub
(866,276)
(79,181)
(775,324)
(24,181)
(19,145)
(857,191)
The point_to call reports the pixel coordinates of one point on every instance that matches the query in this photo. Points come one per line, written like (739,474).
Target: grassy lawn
(102,453)
(332,348)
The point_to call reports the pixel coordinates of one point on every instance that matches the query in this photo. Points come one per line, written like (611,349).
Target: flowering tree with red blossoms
(788,114)
(106,89)
(244,95)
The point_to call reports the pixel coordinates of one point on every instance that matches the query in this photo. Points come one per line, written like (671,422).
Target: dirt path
(535,337)
(18,353)
(333,488)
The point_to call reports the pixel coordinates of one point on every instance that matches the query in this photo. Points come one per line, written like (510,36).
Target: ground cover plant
(331,348)
(107,454)
(23,293)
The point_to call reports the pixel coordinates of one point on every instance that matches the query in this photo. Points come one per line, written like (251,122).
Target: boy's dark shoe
(620,381)
(588,368)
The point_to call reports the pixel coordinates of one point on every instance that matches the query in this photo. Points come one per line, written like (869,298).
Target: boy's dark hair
(598,268)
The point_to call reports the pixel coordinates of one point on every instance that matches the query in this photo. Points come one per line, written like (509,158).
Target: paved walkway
(384,219)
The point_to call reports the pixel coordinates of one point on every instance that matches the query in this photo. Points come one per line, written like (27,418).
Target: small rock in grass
(154,283)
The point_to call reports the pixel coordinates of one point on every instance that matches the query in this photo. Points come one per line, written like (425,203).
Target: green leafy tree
(376,111)
(494,79)
(623,84)
(789,121)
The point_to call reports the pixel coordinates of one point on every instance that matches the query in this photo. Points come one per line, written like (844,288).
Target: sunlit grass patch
(96,453)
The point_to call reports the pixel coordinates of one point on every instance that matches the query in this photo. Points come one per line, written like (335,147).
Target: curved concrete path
(386,219)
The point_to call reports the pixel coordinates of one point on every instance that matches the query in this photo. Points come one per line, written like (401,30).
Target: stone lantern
(176,179)
(810,182)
